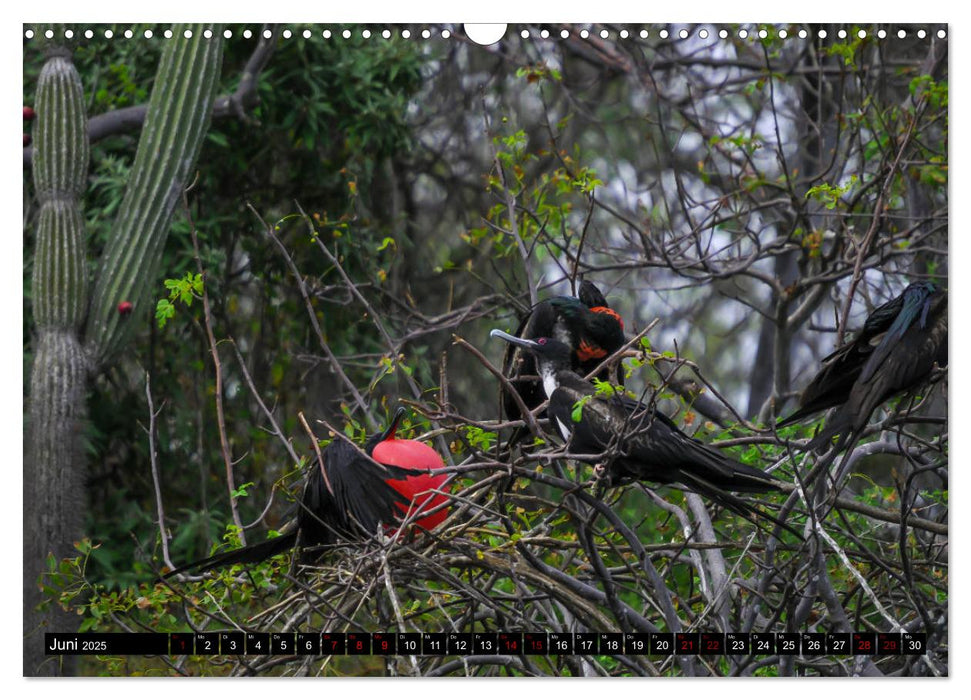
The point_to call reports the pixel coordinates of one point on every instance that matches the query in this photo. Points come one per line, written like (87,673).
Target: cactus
(60,169)
(53,473)
(66,355)
(176,122)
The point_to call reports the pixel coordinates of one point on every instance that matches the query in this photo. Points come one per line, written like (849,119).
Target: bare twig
(320,457)
(335,365)
(214,351)
(156,482)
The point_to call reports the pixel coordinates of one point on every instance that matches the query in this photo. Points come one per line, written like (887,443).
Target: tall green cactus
(53,477)
(60,169)
(65,357)
(177,119)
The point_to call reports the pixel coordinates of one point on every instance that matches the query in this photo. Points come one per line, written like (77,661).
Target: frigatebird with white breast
(585,323)
(634,440)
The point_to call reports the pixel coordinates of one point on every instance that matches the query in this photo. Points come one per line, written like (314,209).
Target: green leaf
(577,414)
(241,491)
(604,389)
(164,310)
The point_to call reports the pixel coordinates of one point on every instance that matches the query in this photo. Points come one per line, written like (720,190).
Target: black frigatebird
(585,323)
(637,441)
(895,351)
(351,493)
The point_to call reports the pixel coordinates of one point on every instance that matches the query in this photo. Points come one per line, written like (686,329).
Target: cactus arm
(178,116)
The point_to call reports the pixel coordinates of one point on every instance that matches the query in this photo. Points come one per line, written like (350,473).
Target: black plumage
(349,503)
(638,442)
(585,323)
(895,351)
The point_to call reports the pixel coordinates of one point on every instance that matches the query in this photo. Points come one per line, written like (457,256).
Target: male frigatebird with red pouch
(350,493)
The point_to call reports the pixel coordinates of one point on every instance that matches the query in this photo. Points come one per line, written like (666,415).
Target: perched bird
(639,441)
(895,351)
(590,328)
(351,494)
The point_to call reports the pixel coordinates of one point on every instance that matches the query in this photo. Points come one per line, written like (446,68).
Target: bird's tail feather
(795,417)
(728,500)
(721,472)
(746,479)
(839,425)
(249,554)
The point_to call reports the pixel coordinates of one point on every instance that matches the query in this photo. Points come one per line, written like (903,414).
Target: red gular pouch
(588,352)
(350,493)
(609,312)
(419,491)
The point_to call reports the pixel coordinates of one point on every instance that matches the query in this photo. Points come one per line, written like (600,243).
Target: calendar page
(486,350)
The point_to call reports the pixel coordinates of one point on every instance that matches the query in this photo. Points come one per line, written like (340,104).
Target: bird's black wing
(832,385)
(317,520)
(840,369)
(902,367)
(881,318)
(349,503)
(656,439)
(590,295)
(361,498)
(648,444)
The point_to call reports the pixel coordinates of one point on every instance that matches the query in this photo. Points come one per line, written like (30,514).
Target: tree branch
(235,104)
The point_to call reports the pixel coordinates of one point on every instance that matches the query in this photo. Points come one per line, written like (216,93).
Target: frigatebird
(635,440)
(895,351)
(350,493)
(585,323)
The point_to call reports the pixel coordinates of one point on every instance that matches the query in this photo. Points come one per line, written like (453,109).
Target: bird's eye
(541,341)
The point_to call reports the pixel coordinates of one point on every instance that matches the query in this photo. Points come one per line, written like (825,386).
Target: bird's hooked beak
(521,342)
(393,428)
